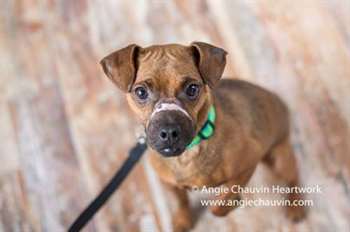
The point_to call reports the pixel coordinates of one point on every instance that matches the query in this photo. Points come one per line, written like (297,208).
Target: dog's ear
(120,66)
(210,60)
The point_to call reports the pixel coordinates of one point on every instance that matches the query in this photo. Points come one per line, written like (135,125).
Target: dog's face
(168,87)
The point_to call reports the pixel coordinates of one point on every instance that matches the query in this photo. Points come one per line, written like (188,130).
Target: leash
(134,155)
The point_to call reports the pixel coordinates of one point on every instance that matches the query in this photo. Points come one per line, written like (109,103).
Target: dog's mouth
(171,151)
(169,132)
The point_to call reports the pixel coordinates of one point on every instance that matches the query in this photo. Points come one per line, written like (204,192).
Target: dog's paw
(182,221)
(296,213)
(181,228)
(221,211)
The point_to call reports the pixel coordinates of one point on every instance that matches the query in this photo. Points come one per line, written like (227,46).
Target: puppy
(202,131)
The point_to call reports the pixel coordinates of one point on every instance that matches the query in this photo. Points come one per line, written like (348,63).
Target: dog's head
(168,87)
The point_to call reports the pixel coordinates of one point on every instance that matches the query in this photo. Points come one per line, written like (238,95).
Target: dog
(203,131)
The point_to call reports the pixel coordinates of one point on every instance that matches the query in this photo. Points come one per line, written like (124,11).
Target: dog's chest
(192,168)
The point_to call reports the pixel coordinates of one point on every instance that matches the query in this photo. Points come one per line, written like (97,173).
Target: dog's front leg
(223,210)
(182,219)
(230,196)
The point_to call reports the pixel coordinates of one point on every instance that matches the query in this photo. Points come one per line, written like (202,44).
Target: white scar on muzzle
(168,107)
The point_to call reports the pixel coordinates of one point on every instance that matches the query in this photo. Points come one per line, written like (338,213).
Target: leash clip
(141,135)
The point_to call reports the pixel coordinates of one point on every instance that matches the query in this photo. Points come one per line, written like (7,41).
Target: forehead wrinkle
(158,55)
(167,71)
(173,52)
(172,55)
(167,67)
(144,56)
(154,54)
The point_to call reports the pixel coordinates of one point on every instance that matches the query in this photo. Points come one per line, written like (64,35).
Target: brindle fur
(252,124)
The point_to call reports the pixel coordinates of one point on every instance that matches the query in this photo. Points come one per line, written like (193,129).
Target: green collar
(207,129)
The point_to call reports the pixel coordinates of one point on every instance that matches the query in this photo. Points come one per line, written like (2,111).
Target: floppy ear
(120,67)
(211,61)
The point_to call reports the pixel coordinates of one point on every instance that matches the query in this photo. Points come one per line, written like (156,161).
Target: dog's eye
(141,92)
(192,91)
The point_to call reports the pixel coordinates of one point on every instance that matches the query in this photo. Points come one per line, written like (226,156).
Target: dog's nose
(169,134)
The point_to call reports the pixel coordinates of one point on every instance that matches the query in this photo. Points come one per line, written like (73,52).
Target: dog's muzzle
(170,129)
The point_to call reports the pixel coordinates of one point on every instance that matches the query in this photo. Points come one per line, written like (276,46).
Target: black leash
(134,155)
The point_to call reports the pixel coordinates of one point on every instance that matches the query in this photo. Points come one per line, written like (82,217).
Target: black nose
(169,134)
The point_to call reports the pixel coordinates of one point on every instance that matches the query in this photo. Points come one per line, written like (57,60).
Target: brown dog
(172,89)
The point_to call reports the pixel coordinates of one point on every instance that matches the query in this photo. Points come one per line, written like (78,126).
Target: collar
(207,129)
